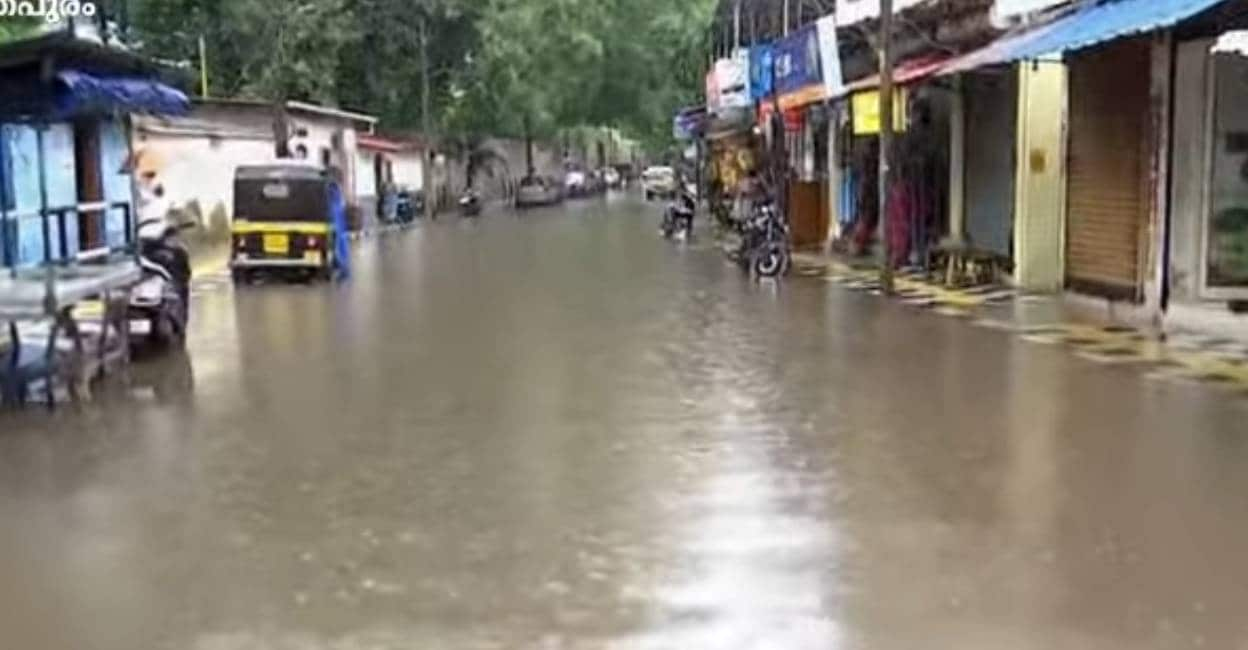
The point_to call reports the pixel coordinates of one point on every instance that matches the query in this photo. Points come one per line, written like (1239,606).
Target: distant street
(559,431)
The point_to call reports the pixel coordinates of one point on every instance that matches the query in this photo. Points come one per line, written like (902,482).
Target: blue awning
(78,93)
(1082,28)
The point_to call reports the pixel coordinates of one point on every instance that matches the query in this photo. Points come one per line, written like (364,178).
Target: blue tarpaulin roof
(78,92)
(1082,28)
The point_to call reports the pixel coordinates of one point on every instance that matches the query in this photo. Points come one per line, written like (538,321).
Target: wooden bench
(961,264)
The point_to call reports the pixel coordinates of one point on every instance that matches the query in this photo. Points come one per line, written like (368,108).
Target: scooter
(409,205)
(765,241)
(160,303)
(470,204)
(678,217)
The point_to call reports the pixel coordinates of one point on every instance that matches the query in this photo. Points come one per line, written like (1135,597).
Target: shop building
(1096,148)
(1206,265)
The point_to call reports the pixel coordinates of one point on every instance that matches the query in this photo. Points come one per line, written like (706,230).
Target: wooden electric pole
(886,138)
(426,124)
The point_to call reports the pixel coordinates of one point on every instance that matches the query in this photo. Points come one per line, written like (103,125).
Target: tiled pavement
(1044,320)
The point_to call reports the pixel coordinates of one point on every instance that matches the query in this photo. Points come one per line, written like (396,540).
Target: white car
(658,182)
(574,182)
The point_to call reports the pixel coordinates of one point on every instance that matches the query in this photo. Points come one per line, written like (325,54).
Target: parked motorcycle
(409,205)
(765,241)
(470,204)
(678,217)
(160,303)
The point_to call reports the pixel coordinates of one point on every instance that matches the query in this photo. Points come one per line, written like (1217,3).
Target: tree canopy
(499,67)
(13,28)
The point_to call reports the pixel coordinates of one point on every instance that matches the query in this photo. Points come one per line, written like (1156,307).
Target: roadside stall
(67,206)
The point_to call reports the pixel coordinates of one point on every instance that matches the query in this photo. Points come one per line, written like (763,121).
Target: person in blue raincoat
(342,248)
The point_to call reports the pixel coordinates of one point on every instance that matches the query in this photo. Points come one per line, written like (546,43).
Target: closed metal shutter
(1107,193)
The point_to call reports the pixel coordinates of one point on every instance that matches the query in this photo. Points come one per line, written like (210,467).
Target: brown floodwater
(558,431)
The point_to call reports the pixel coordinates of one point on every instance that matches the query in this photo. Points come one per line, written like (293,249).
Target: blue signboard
(761,80)
(689,123)
(797,61)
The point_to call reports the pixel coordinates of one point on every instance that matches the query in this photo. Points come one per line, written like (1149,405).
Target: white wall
(321,132)
(409,169)
(199,168)
(365,173)
(1190,166)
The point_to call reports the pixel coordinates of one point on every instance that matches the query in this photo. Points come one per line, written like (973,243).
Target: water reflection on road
(556,430)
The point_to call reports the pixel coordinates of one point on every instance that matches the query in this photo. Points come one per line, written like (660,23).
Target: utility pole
(203,67)
(426,124)
(886,138)
(736,26)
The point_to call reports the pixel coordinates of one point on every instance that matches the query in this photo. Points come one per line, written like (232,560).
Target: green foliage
(499,67)
(13,28)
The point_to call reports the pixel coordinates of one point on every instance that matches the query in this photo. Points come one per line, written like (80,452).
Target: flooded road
(557,431)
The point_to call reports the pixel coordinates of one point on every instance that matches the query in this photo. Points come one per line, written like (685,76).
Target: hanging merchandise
(732,159)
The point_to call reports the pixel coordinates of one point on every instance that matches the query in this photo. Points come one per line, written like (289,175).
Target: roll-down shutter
(1107,171)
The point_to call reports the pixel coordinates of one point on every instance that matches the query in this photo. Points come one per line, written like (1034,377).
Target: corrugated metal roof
(1082,28)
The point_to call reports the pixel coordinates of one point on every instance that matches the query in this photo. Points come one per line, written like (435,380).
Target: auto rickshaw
(283,222)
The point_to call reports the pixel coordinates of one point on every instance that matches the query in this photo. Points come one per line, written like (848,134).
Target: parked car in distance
(595,183)
(575,183)
(612,177)
(658,182)
(537,190)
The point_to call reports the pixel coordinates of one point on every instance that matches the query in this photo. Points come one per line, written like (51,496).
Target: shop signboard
(761,81)
(689,123)
(798,74)
(865,107)
(829,56)
(733,78)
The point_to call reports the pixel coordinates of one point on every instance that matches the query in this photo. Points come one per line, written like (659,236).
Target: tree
(15,28)
(496,67)
(256,48)
(380,69)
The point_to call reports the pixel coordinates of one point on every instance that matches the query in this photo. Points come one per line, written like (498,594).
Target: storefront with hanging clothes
(918,217)
(795,76)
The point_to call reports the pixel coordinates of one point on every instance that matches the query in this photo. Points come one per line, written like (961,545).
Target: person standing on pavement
(338,212)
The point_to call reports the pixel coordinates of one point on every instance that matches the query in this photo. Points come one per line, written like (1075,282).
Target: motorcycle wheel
(771,261)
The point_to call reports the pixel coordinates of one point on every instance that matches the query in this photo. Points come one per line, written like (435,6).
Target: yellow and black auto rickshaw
(283,222)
